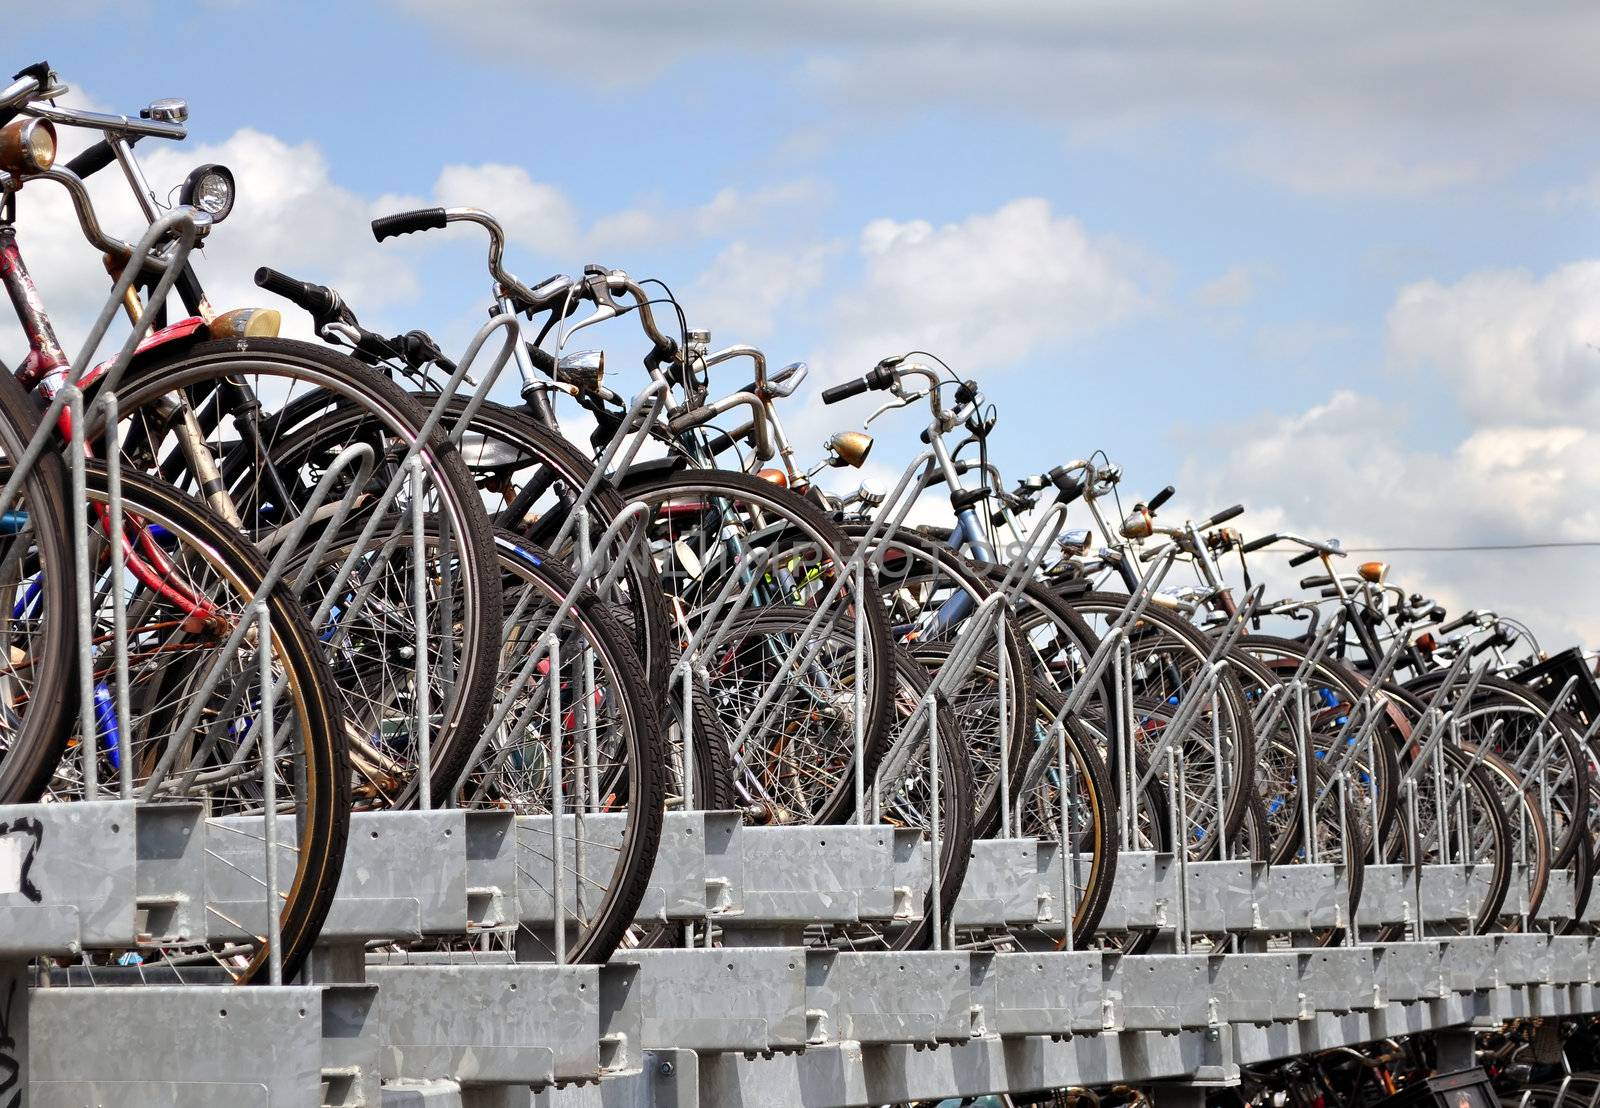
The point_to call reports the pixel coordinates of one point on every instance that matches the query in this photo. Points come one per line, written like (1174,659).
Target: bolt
(666,1069)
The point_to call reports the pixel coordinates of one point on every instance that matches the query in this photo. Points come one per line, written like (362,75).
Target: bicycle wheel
(531,479)
(929,591)
(1529,834)
(1326,696)
(906,799)
(712,775)
(1167,655)
(190,731)
(577,729)
(1538,743)
(38,589)
(195,416)
(699,524)
(1083,797)
(1452,818)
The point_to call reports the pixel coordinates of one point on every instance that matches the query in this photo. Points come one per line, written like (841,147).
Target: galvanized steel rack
(752,1021)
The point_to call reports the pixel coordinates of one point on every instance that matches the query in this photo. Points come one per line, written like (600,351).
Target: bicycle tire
(30,749)
(212,370)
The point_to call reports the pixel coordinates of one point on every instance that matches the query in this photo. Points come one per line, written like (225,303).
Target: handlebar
(24,85)
(1221,517)
(1258,544)
(758,430)
(880,378)
(1161,498)
(92,159)
(125,126)
(321,302)
(329,312)
(601,282)
(553,293)
(1068,486)
(404,223)
(1302,559)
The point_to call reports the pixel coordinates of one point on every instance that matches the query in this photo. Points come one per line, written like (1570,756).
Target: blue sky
(1335,262)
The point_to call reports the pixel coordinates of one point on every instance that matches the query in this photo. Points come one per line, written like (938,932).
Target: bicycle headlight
(850,448)
(210,189)
(27,146)
(1373,572)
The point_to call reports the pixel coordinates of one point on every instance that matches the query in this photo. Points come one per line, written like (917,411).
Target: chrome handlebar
(126,126)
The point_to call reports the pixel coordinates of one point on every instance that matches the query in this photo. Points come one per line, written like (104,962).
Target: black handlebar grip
(1257,544)
(93,159)
(881,377)
(1302,559)
(1068,486)
(1456,624)
(835,393)
(403,223)
(1160,498)
(319,300)
(1316,582)
(720,442)
(1223,517)
(689,420)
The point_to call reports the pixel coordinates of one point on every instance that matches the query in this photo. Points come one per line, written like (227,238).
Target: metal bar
(933,829)
(557,849)
(858,702)
(423,713)
(269,794)
(1003,724)
(1069,906)
(540,652)
(88,742)
(269,581)
(107,402)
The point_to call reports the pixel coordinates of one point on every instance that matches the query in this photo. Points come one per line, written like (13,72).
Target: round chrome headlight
(209,189)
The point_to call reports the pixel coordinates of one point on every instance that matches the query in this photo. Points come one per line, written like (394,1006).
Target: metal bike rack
(758,1019)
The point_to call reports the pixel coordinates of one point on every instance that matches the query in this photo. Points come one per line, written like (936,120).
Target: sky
(1335,262)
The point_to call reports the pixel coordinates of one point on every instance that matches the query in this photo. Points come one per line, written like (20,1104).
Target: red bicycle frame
(47,361)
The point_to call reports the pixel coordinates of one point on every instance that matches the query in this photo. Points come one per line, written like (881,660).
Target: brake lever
(601,314)
(902,402)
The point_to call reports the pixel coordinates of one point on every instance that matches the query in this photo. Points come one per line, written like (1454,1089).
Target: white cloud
(1513,347)
(1345,468)
(290,215)
(984,292)
(1233,288)
(1353,97)
(539,217)
(743,289)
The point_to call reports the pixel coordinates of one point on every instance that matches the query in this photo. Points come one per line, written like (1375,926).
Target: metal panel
(405,875)
(1055,993)
(911,997)
(749,999)
(66,877)
(1002,885)
(1153,992)
(515,1024)
(239,1047)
